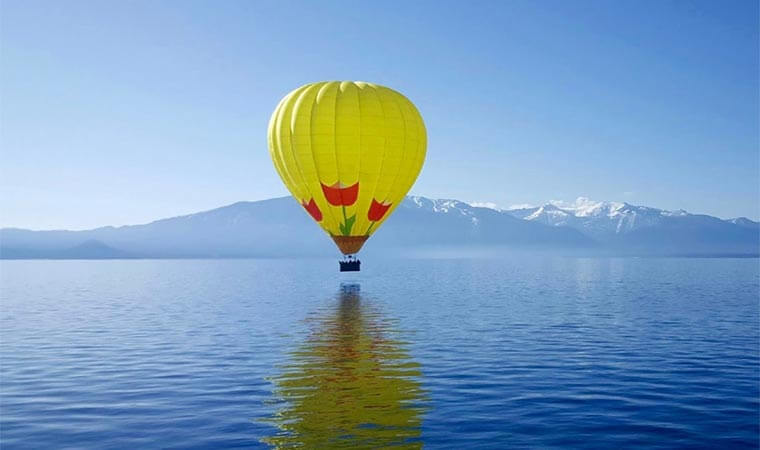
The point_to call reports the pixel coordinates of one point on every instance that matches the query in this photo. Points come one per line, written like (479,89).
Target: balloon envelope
(348,152)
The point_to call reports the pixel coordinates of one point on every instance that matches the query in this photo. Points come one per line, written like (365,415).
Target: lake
(441,353)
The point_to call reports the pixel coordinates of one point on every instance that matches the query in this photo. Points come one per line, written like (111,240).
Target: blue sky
(124,112)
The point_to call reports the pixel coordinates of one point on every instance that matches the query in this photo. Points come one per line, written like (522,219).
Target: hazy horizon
(123,113)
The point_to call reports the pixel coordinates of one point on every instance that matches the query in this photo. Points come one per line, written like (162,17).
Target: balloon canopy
(348,151)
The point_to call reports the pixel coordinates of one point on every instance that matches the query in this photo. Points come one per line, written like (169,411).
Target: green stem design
(345,221)
(348,223)
(370,228)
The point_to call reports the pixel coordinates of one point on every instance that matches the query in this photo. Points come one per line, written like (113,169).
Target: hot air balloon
(348,152)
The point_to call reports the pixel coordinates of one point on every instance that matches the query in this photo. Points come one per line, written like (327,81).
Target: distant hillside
(89,249)
(622,227)
(280,228)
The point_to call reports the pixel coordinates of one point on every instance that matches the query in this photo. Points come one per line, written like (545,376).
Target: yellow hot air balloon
(348,151)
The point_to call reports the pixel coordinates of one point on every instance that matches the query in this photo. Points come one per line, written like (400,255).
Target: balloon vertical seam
(335,140)
(385,143)
(359,150)
(283,166)
(324,86)
(391,193)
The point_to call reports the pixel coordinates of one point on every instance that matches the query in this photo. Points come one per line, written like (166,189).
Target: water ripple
(515,353)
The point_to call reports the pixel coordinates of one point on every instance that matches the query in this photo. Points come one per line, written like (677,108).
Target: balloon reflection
(351,384)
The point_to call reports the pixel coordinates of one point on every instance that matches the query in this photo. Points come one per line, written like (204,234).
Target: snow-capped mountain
(280,227)
(548,214)
(744,222)
(606,221)
(444,206)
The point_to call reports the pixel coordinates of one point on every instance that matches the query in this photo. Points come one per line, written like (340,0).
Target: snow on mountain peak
(550,214)
(596,218)
(601,220)
(487,205)
(585,207)
(743,221)
(676,213)
(440,205)
(520,206)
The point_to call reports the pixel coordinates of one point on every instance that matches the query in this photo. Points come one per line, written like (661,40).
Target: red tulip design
(377,210)
(312,209)
(340,195)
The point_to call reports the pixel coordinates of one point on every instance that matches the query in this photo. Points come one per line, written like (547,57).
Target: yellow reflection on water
(351,384)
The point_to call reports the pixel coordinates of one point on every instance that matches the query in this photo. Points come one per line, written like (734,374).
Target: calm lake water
(499,353)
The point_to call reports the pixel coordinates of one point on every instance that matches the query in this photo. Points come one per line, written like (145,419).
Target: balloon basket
(350,265)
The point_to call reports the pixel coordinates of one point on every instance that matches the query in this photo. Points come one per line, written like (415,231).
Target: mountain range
(280,228)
